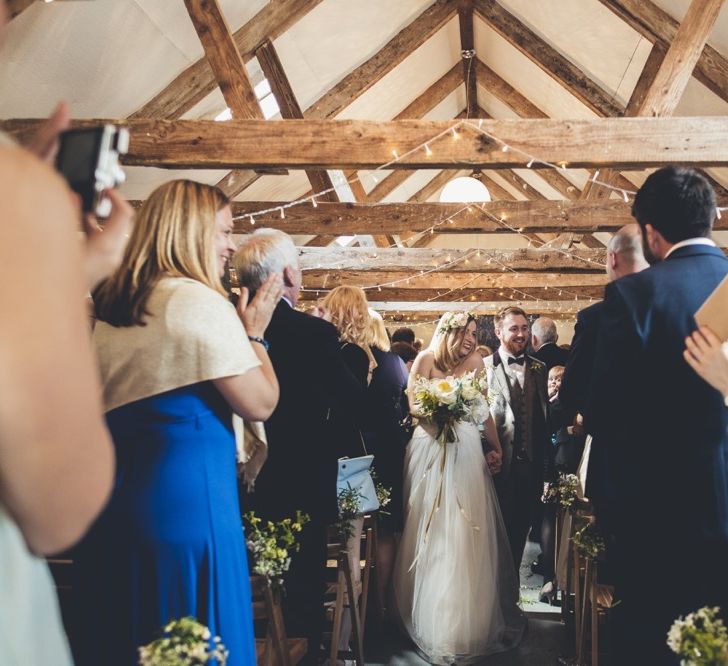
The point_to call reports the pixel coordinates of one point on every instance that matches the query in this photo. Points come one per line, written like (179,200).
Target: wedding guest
(543,340)
(406,352)
(564,455)
(386,434)
(417,344)
(300,471)
(568,444)
(404,334)
(176,360)
(56,459)
(708,357)
(347,308)
(665,428)
(517,386)
(624,257)
(484,350)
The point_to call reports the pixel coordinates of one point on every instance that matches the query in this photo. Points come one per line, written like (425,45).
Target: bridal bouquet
(565,491)
(184,642)
(445,401)
(701,639)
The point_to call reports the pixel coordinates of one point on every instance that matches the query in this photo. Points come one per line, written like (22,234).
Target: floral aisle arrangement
(445,401)
(588,541)
(564,491)
(350,500)
(271,544)
(700,639)
(184,642)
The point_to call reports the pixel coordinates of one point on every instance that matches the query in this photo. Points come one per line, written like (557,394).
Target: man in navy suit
(666,429)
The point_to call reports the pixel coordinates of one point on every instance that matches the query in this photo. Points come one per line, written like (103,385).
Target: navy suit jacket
(551,354)
(666,429)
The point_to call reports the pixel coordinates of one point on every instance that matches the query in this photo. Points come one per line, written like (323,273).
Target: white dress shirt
(701,240)
(513,370)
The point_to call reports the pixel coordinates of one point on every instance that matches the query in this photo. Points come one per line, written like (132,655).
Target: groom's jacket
(522,428)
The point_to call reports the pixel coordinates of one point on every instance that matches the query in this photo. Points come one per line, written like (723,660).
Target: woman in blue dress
(176,361)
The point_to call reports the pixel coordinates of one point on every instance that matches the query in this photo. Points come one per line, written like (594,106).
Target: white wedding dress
(455,585)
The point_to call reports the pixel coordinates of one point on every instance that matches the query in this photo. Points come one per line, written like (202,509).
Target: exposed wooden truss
(628,143)
(198,80)
(502,217)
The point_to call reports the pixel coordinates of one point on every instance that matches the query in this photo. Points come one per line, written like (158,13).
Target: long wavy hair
(173,236)
(349,312)
(447,347)
(378,336)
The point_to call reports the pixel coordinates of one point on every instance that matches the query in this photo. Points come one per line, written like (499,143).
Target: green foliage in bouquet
(565,491)
(446,400)
(701,639)
(349,500)
(384,494)
(271,544)
(588,541)
(184,642)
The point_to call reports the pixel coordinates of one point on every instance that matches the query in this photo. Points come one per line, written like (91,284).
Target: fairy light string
(426,146)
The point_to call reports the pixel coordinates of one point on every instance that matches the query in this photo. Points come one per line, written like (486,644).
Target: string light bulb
(428,152)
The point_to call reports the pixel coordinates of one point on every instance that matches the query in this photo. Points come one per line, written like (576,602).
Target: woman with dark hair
(176,361)
(386,433)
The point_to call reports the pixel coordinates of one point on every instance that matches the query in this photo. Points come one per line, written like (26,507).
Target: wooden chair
(276,649)
(347,587)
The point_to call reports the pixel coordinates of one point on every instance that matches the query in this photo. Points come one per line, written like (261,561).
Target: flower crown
(454,320)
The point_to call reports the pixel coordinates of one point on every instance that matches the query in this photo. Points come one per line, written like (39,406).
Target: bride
(455,585)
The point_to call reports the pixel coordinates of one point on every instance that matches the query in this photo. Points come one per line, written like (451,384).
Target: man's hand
(494,460)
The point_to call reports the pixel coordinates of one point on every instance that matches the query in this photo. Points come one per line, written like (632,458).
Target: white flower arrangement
(184,642)
(453,320)
(700,639)
(446,400)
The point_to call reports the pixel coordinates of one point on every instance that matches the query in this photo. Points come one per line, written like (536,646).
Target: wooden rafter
(290,109)
(658,26)
(17,7)
(409,260)
(467,52)
(547,58)
(397,218)
(229,72)
(198,80)
(671,77)
(323,279)
(627,143)
(384,61)
(427,312)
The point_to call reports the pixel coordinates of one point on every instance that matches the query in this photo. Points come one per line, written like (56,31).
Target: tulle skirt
(455,585)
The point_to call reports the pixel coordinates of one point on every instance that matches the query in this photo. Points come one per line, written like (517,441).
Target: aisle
(541,647)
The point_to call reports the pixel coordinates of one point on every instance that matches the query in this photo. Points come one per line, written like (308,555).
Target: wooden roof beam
(658,26)
(562,70)
(410,260)
(675,69)
(398,218)
(359,144)
(198,80)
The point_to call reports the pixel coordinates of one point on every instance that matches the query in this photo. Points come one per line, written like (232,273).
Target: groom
(517,388)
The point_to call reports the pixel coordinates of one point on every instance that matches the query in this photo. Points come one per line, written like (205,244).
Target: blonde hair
(447,350)
(349,312)
(378,332)
(174,235)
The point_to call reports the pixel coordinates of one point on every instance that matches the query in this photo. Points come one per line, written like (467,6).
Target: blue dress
(170,543)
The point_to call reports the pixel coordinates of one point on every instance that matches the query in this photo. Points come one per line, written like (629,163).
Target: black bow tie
(520,360)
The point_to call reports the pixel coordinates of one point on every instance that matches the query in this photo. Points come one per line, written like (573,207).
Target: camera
(89,160)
